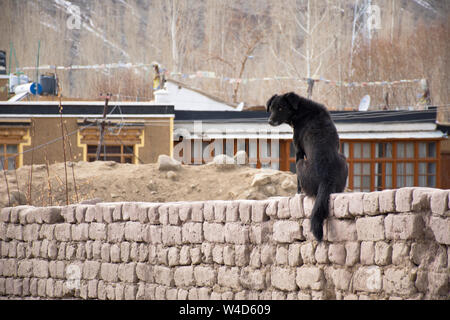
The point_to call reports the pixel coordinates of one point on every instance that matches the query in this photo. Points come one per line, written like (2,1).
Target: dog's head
(282,108)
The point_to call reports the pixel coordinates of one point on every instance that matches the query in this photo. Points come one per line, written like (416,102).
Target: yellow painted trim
(82,145)
(171,136)
(27,143)
(139,145)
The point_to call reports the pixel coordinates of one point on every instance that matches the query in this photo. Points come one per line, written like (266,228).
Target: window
(118,153)
(378,165)
(8,156)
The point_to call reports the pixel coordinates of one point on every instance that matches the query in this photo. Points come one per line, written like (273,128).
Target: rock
(222,162)
(261,179)
(241,158)
(166,163)
(171,175)
(288,184)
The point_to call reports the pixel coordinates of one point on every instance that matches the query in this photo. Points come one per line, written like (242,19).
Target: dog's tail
(320,209)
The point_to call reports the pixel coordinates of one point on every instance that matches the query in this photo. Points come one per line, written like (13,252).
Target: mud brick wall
(392,244)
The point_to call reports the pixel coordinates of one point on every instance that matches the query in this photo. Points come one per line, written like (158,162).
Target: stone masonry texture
(392,244)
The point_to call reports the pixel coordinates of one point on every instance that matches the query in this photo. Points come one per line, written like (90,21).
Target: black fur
(321,169)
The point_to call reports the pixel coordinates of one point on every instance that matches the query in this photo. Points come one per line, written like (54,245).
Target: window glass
(346,149)
(432,150)
(366,168)
(410,150)
(11,148)
(400,150)
(366,150)
(357,150)
(422,150)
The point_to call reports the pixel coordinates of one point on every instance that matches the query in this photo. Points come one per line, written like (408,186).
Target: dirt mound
(111,181)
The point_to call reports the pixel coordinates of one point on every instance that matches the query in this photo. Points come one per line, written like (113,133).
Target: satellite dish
(365,103)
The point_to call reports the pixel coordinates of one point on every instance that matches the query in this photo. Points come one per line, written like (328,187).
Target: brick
(80,212)
(404,226)
(352,250)
(197,211)
(370,228)
(403,199)
(283,278)
(116,232)
(205,276)
(91,270)
(5,214)
(341,205)
(229,277)
(133,231)
(51,215)
(308,204)
(192,232)
(341,278)
(441,229)
(130,291)
(340,230)
(144,272)
(220,208)
(163,212)
(296,206)
(40,268)
(236,233)
(245,210)
(439,202)
(232,211)
(174,217)
(173,256)
(336,253)
(25,268)
(307,251)
(109,272)
(386,200)
(153,214)
(208,211)
(421,199)
(272,206)
(97,231)
(356,204)
(310,278)
(286,231)
(399,281)
(281,256)
(283,211)
(47,232)
(68,213)
(367,252)
(155,234)
(261,233)
(163,275)
(171,235)
(438,284)
(242,255)
(105,252)
(31,232)
(368,279)
(253,279)
(370,203)
(400,253)
(80,232)
(228,256)
(184,276)
(127,272)
(294,255)
(259,211)
(383,253)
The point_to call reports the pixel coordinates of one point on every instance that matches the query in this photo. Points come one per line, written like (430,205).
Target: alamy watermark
(74,20)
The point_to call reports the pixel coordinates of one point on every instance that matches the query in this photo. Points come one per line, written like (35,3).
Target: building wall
(157,139)
(392,244)
(46,130)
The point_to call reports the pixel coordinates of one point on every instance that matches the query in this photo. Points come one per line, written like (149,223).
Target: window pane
(410,150)
(422,150)
(92,149)
(11,148)
(112,149)
(422,168)
(410,169)
(400,169)
(346,149)
(400,182)
(409,181)
(241,144)
(388,150)
(432,181)
(11,163)
(389,168)
(388,181)
(357,168)
(422,181)
(432,168)
(366,168)
(400,150)
(356,182)
(357,150)
(2,163)
(432,150)
(366,150)
(366,183)
(128,149)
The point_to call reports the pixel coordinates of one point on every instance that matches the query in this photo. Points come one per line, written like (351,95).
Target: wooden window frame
(6,156)
(122,155)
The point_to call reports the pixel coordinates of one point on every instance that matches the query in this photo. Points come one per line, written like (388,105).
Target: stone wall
(392,244)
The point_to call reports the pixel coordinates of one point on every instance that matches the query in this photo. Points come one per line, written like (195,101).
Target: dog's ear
(269,102)
(293,99)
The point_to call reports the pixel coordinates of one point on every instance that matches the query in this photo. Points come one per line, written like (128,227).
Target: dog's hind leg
(299,164)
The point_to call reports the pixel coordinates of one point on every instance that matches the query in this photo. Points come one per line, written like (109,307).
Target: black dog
(321,169)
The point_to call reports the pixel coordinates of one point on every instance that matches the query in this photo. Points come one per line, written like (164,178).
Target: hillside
(112,181)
